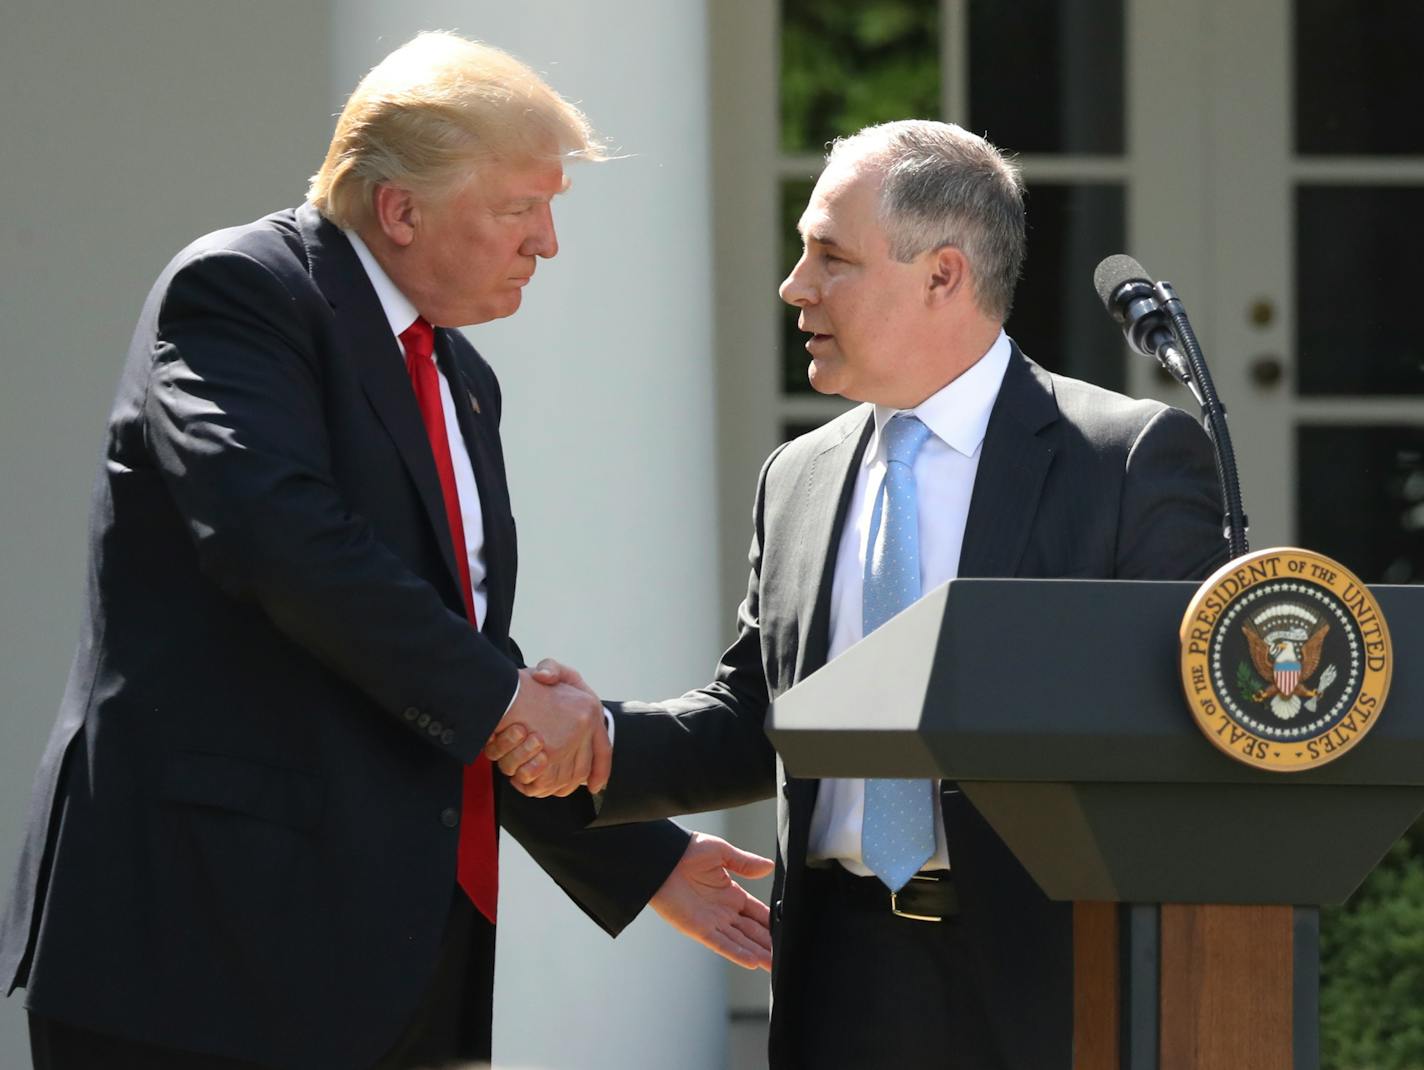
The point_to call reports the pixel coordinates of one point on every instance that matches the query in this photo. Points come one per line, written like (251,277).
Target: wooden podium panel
(1226,987)
(1096,986)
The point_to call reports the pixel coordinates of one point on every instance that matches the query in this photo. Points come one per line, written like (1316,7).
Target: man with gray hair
(263,833)
(906,933)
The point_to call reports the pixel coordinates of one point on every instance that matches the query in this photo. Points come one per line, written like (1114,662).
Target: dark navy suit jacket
(242,836)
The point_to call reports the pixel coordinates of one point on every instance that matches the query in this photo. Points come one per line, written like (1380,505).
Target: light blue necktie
(897,833)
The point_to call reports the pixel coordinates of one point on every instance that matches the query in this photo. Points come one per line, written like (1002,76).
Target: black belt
(928,896)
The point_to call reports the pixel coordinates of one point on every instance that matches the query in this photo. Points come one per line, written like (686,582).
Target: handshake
(553,739)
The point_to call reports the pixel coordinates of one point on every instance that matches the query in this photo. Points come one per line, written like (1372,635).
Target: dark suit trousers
(442,1033)
(56,1046)
(884,991)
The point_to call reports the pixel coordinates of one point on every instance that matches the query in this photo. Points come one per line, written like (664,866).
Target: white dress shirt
(957,416)
(400,313)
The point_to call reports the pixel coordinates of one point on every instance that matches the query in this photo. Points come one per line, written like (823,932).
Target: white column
(608,428)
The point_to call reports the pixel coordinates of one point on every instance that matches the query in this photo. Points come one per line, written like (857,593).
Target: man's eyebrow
(820,237)
(531,200)
(542,198)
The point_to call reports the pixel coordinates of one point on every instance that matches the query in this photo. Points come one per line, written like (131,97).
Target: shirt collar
(399,311)
(958,413)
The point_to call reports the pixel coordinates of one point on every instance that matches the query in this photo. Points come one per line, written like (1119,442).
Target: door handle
(1267,371)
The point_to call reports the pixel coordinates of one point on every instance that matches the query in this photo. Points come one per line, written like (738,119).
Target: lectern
(1057,707)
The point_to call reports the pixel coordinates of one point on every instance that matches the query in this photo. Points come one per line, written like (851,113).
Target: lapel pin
(474,404)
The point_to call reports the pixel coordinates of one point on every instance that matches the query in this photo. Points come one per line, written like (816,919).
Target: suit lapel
(1012,467)
(829,486)
(481,443)
(830,482)
(364,334)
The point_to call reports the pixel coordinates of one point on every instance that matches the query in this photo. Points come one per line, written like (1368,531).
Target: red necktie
(477,861)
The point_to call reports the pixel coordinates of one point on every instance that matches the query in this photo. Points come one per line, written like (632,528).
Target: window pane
(1357,262)
(844,66)
(1057,318)
(1047,75)
(1360,499)
(1357,77)
(794,358)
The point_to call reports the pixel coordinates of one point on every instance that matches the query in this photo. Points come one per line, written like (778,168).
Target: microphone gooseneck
(1155,324)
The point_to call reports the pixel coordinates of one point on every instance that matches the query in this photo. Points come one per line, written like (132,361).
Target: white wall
(132,126)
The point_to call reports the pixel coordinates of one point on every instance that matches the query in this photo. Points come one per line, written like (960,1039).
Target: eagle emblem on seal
(1285,642)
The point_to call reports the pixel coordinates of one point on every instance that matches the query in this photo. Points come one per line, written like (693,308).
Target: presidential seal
(1286,659)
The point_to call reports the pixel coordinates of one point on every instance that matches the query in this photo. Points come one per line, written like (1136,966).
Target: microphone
(1155,324)
(1129,297)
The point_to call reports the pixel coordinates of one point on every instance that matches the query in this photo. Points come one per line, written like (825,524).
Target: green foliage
(795,193)
(844,66)
(1372,968)
(1247,682)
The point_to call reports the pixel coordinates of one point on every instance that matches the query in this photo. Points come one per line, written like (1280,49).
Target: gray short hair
(945,186)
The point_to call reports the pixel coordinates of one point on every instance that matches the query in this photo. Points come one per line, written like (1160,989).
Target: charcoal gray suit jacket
(1073,480)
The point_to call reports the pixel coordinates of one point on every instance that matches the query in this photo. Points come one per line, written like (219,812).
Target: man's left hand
(700,900)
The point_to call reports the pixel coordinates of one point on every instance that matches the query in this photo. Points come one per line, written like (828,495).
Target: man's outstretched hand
(701,900)
(556,732)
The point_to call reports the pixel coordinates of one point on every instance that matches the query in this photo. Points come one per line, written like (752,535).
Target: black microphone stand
(1213,418)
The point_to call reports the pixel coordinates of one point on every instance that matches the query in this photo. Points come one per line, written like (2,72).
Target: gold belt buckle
(895,903)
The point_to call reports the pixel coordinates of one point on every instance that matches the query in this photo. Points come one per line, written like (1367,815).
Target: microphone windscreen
(1113,272)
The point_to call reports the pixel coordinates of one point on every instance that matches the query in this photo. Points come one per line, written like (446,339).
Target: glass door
(1316,180)
(843,66)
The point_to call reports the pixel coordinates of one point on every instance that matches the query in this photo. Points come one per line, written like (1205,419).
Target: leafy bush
(1372,968)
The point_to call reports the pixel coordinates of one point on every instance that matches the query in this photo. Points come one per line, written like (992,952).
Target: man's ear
(949,275)
(397,214)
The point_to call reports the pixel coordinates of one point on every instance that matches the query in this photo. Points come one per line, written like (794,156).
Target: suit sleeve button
(449,817)
(411,713)
(423,720)
(448,736)
(435,728)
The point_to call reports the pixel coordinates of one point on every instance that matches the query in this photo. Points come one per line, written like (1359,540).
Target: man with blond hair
(906,933)
(263,833)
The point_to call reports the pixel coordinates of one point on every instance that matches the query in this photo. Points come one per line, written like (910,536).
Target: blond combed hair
(430,113)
